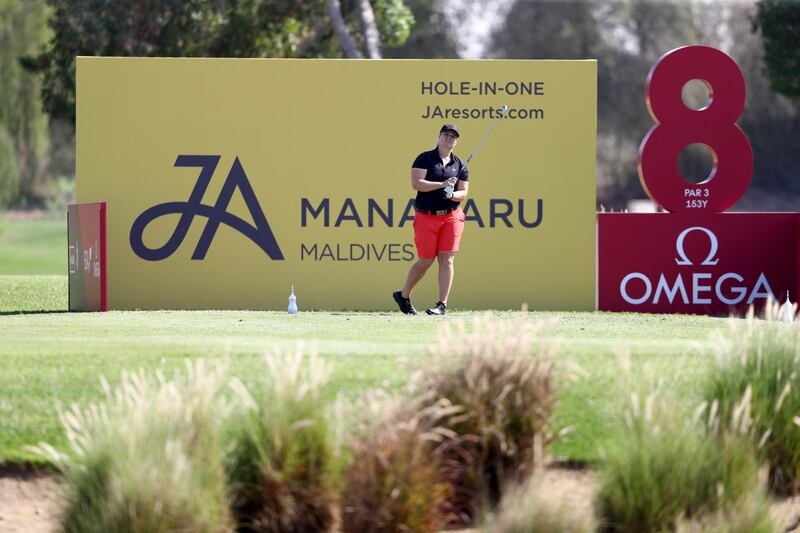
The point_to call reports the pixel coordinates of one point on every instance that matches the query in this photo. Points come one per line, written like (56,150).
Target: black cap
(450,127)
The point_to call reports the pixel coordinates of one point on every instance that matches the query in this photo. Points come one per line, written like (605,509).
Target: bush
(503,382)
(662,465)
(394,482)
(279,460)
(533,507)
(760,361)
(148,458)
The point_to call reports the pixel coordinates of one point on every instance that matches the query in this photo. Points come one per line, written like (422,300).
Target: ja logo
(261,234)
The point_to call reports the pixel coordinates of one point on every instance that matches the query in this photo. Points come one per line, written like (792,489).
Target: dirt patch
(786,512)
(29,503)
(573,484)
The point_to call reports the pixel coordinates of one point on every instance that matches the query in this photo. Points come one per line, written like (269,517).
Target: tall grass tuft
(147,458)
(662,466)
(501,376)
(393,483)
(760,361)
(279,458)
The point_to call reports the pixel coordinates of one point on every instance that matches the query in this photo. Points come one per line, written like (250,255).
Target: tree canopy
(779,22)
(627,37)
(207,28)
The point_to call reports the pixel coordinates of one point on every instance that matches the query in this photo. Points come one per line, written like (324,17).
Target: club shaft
(496,122)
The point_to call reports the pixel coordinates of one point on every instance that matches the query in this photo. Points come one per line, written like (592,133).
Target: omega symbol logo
(710,259)
(217,214)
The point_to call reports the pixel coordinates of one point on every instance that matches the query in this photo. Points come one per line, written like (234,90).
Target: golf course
(50,357)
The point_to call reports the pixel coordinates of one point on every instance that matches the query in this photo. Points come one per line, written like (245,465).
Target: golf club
(448,191)
(503,110)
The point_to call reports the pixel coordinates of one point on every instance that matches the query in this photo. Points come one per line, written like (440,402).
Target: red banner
(86,231)
(711,263)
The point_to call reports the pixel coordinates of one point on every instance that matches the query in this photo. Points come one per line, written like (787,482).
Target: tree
(430,36)
(178,28)
(771,122)
(627,37)
(547,29)
(9,177)
(23,125)
(779,22)
(348,45)
(388,24)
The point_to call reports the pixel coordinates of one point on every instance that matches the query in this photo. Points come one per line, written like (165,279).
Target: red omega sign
(711,263)
(696,259)
(678,126)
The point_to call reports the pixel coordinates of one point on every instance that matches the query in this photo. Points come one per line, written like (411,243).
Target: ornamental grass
(279,457)
(760,361)
(393,483)
(500,374)
(664,467)
(147,457)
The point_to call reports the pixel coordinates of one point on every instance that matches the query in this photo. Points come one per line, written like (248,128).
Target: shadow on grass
(31,312)
(26,469)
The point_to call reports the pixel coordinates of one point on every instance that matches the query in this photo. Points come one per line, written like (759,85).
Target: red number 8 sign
(678,126)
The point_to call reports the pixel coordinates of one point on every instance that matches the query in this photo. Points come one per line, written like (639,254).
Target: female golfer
(438,220)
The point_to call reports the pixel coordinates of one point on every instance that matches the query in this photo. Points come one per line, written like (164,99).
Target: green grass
(36,246)
(53,358)
(19,294)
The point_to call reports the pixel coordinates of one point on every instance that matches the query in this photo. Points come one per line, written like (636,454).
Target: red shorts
(438,233)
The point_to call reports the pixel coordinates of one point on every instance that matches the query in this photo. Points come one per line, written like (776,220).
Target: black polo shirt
(434,200)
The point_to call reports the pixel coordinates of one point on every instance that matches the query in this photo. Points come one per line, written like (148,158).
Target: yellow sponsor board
(230,180)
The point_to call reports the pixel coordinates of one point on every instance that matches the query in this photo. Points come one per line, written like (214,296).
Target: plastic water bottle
(292,303)
(788,311)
